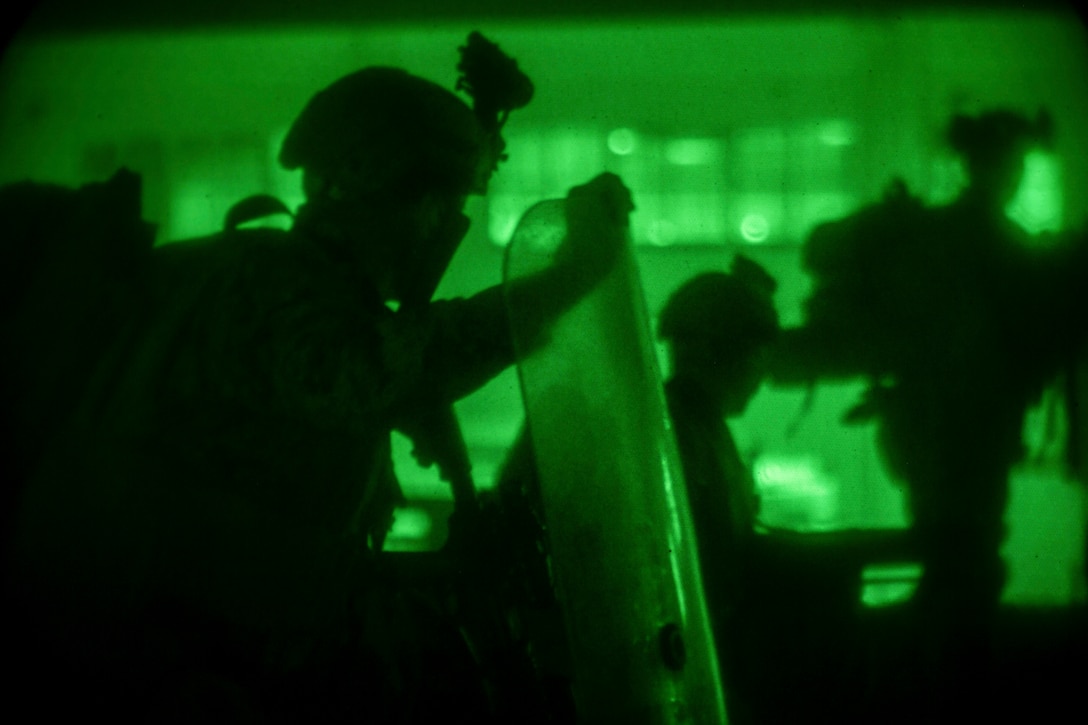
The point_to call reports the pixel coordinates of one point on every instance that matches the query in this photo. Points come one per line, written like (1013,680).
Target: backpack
(73,259)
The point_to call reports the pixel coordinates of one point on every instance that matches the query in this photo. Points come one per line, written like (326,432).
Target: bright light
(886,584)
(795,493)
(661,232)
(693,151)
(796,474)
(411,531)
(755,228)
(836,132)
(504,213)
(1037,206)
(622,141)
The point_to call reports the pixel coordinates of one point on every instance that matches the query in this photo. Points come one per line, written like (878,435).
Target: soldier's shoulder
(240,246)
(260,237)
(884,224)
(261,265)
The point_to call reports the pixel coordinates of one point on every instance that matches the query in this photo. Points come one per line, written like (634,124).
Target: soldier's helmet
(735,309)
(383,129)
(992,141)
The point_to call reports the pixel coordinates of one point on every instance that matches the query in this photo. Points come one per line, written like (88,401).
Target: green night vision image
(669,364)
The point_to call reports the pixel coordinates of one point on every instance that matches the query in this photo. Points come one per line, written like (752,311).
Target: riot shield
(615,508)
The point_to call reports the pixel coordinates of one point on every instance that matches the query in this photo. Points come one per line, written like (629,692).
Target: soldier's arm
(803,355)
(316,352)
(470,340)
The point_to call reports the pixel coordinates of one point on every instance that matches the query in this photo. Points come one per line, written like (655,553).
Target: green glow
(1045,547)
(672,207)
(836,132)
(411,526)
(688,189)
(544,163)
(693,151)
(797,474)
(947,177)
(795,493)
(504,210)
(807,439)
(843,106)
(194,210)
(1037,205)
(416,482)
(759,155)
(886,584)
(622,141)
(813,208)
(678,578)
(676,536)
(755,228)
(571,155)
(661,232)
(756,217)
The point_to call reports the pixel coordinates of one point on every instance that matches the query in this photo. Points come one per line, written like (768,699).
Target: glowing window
(622,141)
(886,584)
(212,175)
(756,185)
(795,493)
(836,132)
(756,218)
(410,532)
(1037,205)
(693,151)
(755,228)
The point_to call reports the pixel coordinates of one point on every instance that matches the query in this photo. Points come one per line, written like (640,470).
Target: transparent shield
(615,507)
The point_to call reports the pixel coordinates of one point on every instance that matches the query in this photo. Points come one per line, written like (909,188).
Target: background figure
(201,522)
(959,321)
(719,328)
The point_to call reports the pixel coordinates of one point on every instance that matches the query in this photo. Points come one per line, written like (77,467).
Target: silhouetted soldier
(719,328)
(207,510)
(958,319)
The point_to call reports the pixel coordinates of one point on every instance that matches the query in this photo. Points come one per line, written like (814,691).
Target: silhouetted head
(389,158)
(993,146)
(719,327)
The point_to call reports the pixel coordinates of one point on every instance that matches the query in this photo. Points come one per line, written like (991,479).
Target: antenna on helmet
(495,83)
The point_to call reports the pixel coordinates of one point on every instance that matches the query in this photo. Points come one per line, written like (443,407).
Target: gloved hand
(597,217)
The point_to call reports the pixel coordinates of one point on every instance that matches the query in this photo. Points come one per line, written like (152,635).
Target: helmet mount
(497,86)
(383,130)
